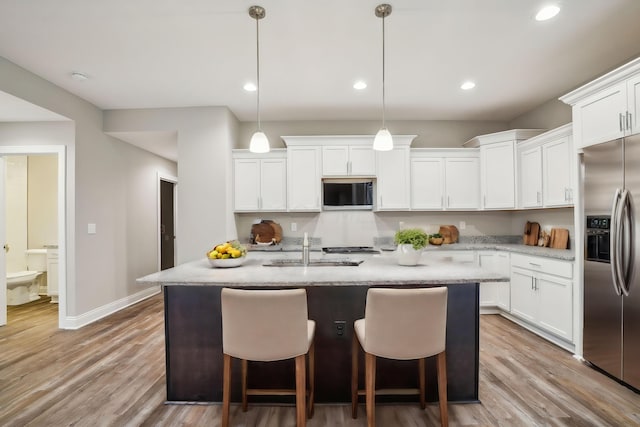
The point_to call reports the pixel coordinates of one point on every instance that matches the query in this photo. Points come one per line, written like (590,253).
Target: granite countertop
(562,254)
(467,243)
(380,269)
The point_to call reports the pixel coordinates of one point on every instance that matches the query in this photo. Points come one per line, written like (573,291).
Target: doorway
(167,221)
(60,277)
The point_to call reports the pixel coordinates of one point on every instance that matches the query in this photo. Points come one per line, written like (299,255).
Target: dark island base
(193,336)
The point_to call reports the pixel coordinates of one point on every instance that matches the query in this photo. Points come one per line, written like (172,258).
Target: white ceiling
(168,53)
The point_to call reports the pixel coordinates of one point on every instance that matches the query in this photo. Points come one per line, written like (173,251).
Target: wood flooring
(111,373)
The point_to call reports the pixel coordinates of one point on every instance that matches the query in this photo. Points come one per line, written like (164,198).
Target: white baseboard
(77,322)
(570,347)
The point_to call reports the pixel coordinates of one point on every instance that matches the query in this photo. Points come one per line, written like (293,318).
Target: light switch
(91,228)
(294,226)
(463,225)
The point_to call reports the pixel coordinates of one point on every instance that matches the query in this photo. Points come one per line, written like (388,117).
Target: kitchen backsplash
(363,228)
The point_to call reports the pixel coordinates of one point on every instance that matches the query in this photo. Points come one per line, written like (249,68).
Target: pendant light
(383,140)
(259,142)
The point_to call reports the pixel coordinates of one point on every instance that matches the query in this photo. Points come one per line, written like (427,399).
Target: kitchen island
(336,298)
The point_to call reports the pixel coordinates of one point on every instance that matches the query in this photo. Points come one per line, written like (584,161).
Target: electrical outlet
(294,226)
(340,327)
(463,225)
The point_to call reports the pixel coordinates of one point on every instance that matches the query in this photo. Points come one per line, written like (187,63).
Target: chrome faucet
(305,250)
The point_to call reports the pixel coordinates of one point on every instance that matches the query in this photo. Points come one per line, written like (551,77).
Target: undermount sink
(312,263)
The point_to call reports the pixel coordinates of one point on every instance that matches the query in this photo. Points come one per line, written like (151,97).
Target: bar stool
(267,325)
(401,324)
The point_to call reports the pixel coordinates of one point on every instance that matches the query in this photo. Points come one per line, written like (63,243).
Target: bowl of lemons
(228,254)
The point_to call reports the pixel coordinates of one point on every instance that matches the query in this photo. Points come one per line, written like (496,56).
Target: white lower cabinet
(542,293)
(495,294)
(52,274)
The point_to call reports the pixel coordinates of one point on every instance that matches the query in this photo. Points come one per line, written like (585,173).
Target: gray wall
(109,183)
(205,139)
(550,115)
(430,133)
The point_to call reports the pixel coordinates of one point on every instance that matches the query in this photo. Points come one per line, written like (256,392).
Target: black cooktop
(350,250)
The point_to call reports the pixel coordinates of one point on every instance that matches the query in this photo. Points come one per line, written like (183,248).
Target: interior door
(3,242)
(167,224)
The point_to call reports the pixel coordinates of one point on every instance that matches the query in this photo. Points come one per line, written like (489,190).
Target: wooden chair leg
(421,381)
(370,387)
(245,404)
(354,376)
(226,390)
(301,411)
(311,379)
(442,389)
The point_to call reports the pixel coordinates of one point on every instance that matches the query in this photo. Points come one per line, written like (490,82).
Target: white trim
(77,322)
(60,151)
(504,136)
(605,81)
(168,178)
(570,347)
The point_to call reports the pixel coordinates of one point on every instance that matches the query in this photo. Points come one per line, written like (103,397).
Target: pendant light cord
(383,96)
(258,70)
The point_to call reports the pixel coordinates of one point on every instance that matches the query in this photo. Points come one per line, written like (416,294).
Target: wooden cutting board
(277,230)
(449,233)
(531,233)
(559,238)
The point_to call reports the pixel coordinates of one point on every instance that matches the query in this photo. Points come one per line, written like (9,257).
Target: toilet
(23,286)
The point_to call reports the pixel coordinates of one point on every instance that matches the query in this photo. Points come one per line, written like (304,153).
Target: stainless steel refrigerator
(612,256)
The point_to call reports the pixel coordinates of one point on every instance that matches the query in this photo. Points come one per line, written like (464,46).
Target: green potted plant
(411,242)
(436,239)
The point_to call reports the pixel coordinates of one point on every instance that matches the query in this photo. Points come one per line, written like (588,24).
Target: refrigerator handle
(629,228)
(614,238)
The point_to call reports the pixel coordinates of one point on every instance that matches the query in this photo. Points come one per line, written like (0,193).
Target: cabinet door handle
(531,282)
(629,116)
(538,194)
(621,125)
(448,201)
(534,264)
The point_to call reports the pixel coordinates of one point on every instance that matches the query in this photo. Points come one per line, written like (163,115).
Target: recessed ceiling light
(547,12)
(249,87)
(467,85)
(76,75)
(359,85)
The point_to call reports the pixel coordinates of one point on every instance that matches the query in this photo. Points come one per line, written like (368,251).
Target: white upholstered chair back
(265,325)
(405,324)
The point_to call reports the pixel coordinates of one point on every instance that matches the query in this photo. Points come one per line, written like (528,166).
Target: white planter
(407,255)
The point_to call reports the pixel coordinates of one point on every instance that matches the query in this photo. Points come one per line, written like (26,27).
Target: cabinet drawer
(543,265)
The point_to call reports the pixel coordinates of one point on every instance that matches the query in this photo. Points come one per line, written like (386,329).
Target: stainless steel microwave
(347,194)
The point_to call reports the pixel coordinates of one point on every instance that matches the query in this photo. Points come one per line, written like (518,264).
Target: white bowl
(229,262)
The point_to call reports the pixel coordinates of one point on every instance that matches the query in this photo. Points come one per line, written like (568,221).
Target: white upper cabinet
(633,104)
(462,187)
(498,166)
(546,164)
(445,179)
(606,108)
(348,160)
(498,175)
(427,183)
(260,181)
(557,167)
(393,183)
(304,174)
(531,177)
